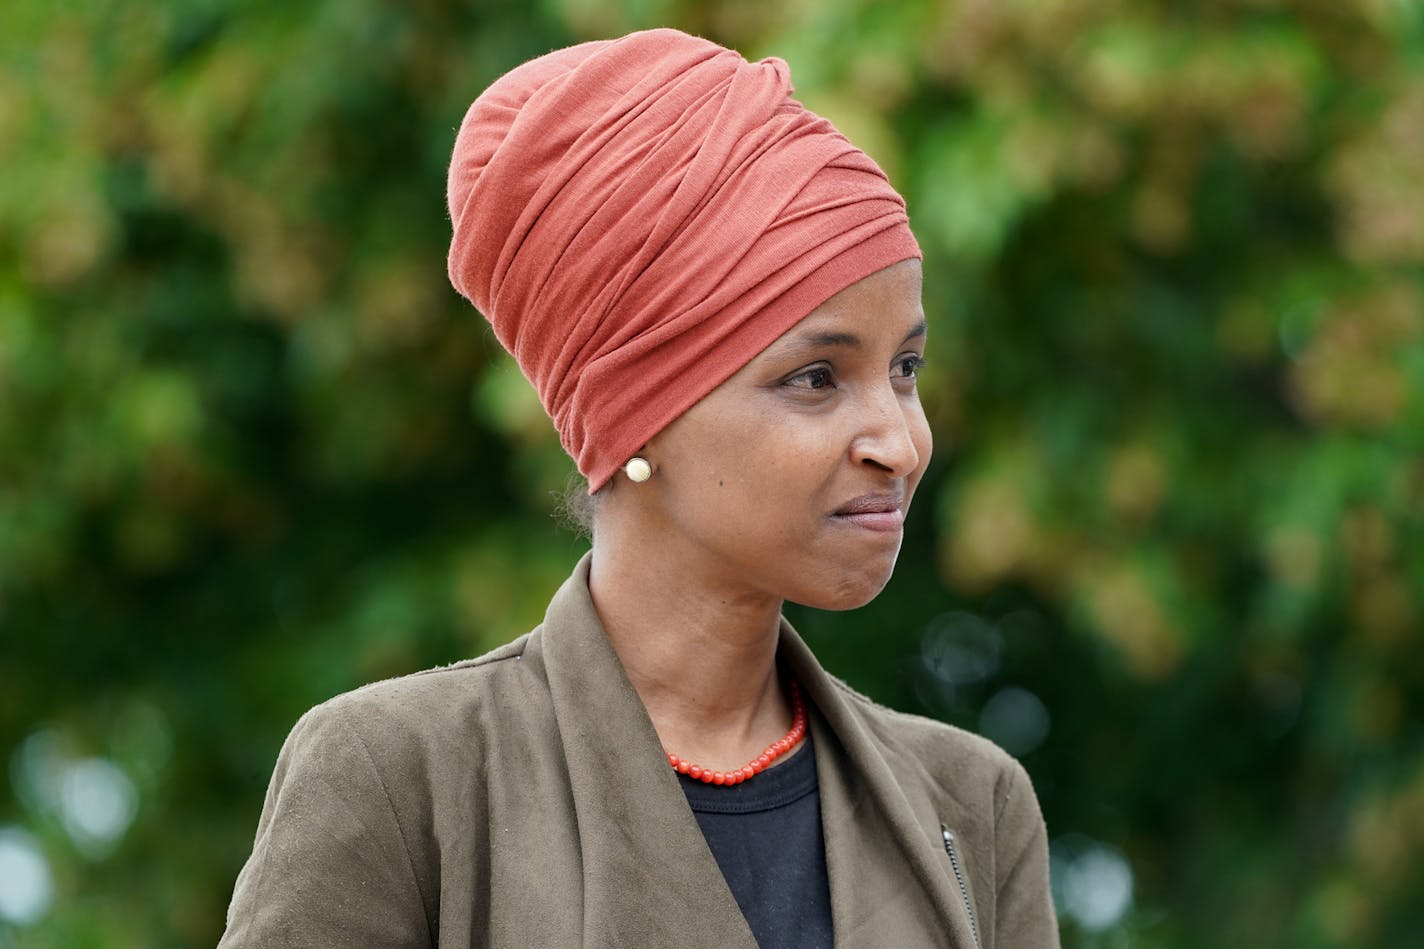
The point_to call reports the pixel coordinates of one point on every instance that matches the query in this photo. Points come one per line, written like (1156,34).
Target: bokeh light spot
(960,648)
(97,803)
(26,888)
(1092,882)
(1015,719)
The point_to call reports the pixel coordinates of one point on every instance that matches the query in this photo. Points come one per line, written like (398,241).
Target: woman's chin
(848,592)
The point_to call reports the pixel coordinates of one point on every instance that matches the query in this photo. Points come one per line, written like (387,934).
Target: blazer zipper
(963,884)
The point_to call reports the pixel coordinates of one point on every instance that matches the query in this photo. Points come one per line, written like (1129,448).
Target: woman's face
(792,478)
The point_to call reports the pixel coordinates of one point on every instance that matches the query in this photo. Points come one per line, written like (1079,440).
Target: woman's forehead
(884,305)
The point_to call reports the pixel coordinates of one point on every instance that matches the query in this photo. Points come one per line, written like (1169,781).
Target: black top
(766,836)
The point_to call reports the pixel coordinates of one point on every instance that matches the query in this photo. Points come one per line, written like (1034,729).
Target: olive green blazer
(522,799)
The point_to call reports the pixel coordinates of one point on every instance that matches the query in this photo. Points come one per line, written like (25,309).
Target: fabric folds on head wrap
(638,218)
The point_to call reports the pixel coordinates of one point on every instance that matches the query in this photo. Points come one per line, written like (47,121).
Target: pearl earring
(638,470)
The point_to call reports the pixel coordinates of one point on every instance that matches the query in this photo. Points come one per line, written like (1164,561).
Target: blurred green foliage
(254,451)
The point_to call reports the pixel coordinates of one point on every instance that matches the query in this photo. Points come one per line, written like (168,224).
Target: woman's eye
(817,378)
(910,366)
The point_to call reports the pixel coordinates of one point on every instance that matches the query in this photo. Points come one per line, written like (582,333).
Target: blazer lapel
(890,878)
(649,878)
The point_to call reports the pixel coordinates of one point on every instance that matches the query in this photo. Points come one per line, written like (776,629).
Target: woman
(717,297)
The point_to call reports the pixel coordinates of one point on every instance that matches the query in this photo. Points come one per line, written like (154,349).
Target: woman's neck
(700,653)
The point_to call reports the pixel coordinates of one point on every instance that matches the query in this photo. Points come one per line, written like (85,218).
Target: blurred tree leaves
(253,450)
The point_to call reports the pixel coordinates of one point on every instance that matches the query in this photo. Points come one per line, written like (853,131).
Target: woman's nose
(887,434)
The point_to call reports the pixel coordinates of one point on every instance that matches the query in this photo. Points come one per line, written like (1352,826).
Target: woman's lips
(879,521)
(875,512)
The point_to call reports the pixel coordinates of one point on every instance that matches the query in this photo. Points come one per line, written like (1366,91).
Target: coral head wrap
(638,218)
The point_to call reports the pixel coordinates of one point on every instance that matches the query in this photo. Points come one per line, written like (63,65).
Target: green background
(254,451)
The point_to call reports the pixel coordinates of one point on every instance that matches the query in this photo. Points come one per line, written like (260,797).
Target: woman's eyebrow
(853,341)
(832,339)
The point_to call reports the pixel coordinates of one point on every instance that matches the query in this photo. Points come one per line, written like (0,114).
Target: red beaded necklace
(758,764)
